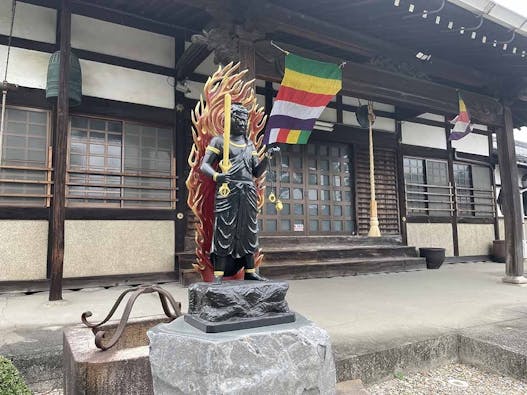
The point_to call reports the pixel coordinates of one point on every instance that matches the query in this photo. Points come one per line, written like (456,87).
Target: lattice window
(120,164)
(25,157)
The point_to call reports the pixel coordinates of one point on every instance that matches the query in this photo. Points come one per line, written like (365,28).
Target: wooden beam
(282,19)
(366,81)
(60,155)
(511,200)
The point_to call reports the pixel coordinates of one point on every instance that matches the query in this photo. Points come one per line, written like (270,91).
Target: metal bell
(279,205)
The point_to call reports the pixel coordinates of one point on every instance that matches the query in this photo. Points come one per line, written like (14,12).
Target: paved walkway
(367,308)
(362,313)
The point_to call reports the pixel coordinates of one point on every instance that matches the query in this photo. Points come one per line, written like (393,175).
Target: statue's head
(239,119)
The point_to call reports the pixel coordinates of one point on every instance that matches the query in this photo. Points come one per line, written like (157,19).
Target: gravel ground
(52,392)
(450,380)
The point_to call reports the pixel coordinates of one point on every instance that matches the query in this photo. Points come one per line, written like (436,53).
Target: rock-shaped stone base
(293,358)
(237,299)
(236,305)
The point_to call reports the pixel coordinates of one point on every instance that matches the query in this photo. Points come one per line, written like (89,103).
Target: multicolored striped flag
(462,125)
(306,89)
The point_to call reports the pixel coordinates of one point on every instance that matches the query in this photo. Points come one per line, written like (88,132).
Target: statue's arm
(213,155)
(260,167)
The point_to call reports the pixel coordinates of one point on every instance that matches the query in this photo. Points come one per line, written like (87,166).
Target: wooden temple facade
(96,192)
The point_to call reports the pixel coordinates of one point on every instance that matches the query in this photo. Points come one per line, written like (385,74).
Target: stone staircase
(292,258)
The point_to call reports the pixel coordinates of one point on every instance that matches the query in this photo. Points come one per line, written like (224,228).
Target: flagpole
(374,220)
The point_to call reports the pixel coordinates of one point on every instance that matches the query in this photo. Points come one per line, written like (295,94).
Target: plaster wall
(122,41)
(477,144)
(475,239)
(23,250)
(133,86)
(26,67)
(423,135)
(431,235)
(432,117)
(98,248)
(31,22)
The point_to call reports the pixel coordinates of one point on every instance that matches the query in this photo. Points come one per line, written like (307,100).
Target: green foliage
(10,381)
(399,375)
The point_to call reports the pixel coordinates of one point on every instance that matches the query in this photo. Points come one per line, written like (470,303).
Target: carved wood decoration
(207,121)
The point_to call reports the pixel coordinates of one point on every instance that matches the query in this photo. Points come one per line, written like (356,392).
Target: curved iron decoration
(166,299)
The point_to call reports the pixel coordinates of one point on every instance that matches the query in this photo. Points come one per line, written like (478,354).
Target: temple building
(94,192)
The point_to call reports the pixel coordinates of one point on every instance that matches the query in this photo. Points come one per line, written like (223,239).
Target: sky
(519,6)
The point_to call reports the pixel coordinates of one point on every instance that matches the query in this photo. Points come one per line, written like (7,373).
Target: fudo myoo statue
(225,223)
(235,238)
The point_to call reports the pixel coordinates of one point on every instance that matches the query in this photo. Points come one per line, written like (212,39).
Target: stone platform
(235,305)
(294,358)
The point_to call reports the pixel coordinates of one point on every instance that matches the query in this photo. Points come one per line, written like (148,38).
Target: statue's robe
(235,224)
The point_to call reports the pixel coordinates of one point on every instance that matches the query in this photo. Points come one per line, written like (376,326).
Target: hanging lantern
(75,79)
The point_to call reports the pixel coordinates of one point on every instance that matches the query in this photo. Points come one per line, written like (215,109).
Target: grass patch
(10,381)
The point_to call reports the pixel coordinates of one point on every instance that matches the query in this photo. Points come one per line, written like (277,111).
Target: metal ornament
(272,197)
(166,299)
(279,206)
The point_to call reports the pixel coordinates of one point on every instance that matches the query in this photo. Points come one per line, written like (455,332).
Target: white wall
(473,143)
(26,68)
(128,85)
(122,41)
(423,135)
(31,22)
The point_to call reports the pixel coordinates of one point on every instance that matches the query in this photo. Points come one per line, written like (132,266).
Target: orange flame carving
(207,120)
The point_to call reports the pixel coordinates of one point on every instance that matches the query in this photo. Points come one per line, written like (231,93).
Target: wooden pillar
(181,154)
(246,50)
(400,183)
(452,178)
(247,56)
(511,200)
(60,154)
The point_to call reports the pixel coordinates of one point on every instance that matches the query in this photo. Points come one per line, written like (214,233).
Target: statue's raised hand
(222,178)
(271,151)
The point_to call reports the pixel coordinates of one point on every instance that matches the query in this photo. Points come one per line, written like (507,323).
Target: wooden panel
(385,187)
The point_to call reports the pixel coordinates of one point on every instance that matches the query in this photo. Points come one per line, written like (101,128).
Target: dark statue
(235,238)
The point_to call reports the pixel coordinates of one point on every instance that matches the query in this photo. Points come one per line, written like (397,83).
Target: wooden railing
(430,199)
(46,181)
(427,199)
(119,195)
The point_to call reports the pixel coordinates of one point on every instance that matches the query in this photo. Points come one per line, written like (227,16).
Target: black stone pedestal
(235,305)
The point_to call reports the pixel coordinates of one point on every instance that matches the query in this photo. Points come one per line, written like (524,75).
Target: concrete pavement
(362,314)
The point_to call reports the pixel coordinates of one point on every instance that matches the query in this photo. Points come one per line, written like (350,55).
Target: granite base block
(293,358)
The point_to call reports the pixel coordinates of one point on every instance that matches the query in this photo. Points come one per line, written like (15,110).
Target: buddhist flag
(462,125)
(306,89)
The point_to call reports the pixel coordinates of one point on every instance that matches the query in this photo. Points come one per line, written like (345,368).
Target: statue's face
(239,119)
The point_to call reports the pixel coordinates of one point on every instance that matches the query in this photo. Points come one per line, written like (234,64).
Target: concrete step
(321,253)
(269,241)
(291,270)
(296,270)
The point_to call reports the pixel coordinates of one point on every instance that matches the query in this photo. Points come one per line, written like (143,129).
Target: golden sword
(225,163)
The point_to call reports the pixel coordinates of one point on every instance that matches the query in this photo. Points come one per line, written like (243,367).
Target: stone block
(123,369)
(293,358)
